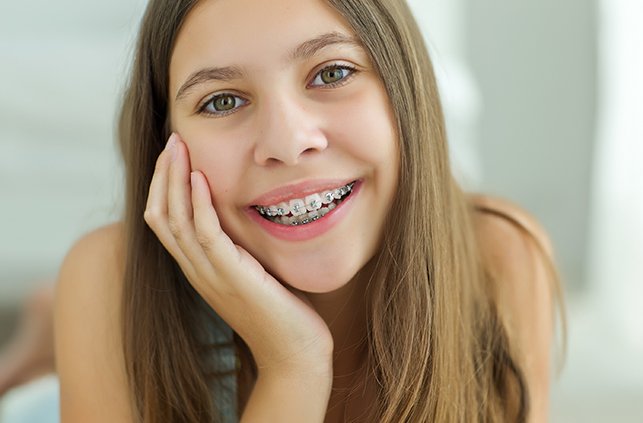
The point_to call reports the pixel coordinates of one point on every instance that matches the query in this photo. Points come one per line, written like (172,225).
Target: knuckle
(206,242)
(176,226)
(152,216)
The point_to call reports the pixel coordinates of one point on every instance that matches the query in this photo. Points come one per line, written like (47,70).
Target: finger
(180,216)
(156,206)
(213,240)
(156,209)
(227,258)
(178,194)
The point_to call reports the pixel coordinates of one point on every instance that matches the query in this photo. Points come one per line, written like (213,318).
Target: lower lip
(309,230)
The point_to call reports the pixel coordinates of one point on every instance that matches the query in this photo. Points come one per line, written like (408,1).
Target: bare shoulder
(517,253)
(101,249)
(89,357)
(508,216)
(92,270)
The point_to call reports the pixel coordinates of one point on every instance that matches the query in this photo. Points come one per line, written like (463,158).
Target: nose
(290,132)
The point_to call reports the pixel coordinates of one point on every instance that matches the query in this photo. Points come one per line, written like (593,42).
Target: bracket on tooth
(313,202)
(297,207)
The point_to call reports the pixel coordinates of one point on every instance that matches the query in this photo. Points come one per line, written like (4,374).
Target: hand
(281,329)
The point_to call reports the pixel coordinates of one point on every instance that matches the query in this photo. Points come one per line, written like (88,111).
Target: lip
(298,190)
(309,230)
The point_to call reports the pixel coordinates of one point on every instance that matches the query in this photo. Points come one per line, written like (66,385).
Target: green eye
(222,104)
(333,75)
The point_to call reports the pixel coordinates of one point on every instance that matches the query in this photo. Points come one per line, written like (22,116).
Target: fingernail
(171,145)
(171,141)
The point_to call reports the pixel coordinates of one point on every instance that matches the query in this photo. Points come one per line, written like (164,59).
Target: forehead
(247,32)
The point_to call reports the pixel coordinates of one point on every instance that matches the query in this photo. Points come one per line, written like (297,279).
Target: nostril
(271,161)
(309,150)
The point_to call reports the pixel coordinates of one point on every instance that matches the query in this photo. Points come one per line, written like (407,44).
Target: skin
(90,363)
(523,291)
(307,297)
(289,125)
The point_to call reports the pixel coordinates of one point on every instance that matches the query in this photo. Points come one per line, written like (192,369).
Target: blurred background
(544,105)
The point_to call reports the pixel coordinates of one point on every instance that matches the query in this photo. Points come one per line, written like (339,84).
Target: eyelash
(204,106)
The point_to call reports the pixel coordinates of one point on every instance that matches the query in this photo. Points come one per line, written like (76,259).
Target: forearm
(288,399)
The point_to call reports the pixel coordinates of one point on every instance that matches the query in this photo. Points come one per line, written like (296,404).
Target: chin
(320,278)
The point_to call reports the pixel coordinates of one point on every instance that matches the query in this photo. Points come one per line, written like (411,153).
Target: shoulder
(517,254)
(500,218)
(92,270)
(101,249)
(515,249)
(89,356)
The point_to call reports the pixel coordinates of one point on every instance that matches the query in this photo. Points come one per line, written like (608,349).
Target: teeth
(313,202)
(308,210)
(297,207)
(283,209)
(285,220)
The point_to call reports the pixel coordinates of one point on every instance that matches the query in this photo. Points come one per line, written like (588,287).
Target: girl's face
(282,110)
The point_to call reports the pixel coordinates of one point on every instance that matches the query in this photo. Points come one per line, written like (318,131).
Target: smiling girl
(295,248)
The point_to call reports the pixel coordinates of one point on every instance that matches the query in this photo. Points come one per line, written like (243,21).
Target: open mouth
(307,210)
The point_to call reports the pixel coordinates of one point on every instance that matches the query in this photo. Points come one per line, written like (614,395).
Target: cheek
(366,128)
(221,165)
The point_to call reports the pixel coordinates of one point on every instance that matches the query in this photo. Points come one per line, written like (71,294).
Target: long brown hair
(436,344)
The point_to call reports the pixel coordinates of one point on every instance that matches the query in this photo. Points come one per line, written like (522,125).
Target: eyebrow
(304,51)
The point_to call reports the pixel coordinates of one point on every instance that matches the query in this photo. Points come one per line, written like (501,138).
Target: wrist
(320,373)
(289,397)
(295,365)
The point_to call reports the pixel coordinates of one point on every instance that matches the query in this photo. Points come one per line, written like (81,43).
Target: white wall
(61,70)
(443,23)
(616,251)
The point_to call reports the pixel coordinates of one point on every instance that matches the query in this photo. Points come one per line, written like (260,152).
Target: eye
(221,104)
(333,75)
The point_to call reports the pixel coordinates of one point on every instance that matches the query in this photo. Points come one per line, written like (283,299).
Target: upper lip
(298,190)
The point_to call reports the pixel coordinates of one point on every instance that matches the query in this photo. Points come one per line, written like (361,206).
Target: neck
(344,311)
